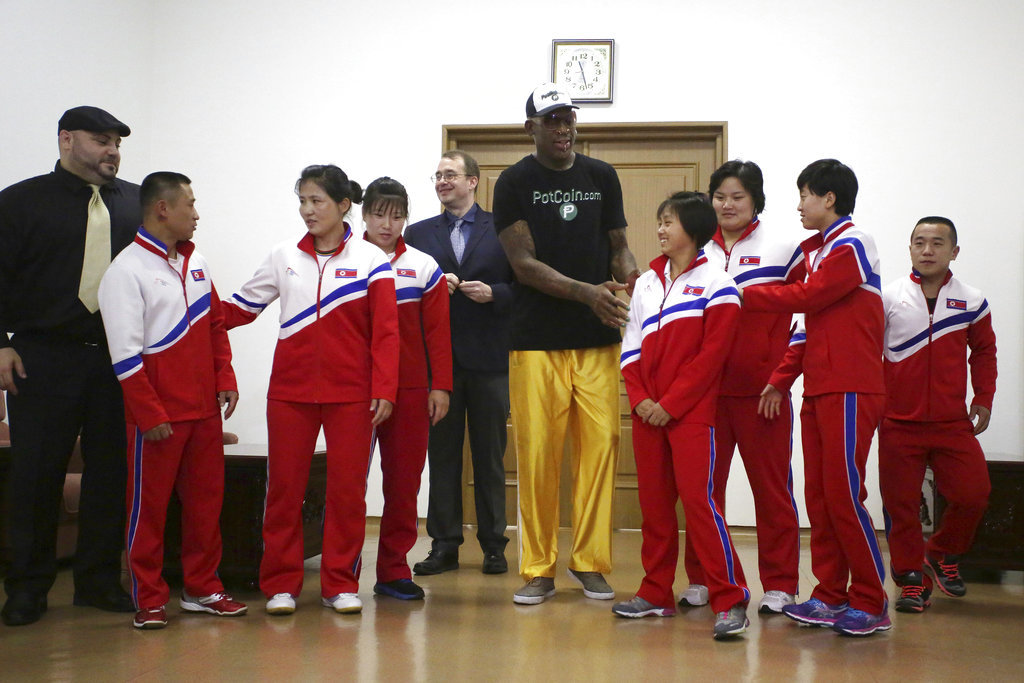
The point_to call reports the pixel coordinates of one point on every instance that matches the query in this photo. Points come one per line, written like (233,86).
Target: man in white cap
(58,233)
(560,218)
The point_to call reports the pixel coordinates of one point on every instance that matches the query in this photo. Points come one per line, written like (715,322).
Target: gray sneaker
(638,607)
(732,622)
(535,591)
(594,585)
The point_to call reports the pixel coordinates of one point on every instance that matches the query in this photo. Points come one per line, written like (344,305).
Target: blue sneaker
(855,622)
(402,589)
(814,612)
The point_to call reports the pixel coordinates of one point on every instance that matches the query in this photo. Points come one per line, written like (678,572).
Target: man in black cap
(560,218)
(58,232)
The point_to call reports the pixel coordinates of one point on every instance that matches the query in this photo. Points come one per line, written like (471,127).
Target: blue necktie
(458,240)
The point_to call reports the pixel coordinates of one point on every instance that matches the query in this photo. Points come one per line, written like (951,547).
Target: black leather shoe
(22,609)
(495,563)
(437,561)
(113,599)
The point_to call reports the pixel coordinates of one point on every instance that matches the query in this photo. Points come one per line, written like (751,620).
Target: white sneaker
(344,603)
(695,595)
(774,601)
(282,603)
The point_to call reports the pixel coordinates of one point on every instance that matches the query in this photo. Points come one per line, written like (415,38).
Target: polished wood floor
(468,629)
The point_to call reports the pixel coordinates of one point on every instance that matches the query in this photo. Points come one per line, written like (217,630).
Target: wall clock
(584,68)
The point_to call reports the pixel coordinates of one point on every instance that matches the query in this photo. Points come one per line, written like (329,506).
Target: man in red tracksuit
(931,321)
(171,354)
(844,394)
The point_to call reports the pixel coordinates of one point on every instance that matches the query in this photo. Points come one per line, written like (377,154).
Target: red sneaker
(221,604)
(151,618)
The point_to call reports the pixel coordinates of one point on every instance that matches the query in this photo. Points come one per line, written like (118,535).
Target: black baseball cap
(92,119)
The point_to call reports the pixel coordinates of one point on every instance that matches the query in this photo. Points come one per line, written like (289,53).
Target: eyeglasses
(556,120)
(447,177)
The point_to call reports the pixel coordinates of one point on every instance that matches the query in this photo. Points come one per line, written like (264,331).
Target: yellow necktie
(97,250)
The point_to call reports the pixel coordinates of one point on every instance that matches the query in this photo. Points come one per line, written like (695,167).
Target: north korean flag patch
(344,272)
(405,272)
(694,290)
(957,304)
(750,260)
(198,275)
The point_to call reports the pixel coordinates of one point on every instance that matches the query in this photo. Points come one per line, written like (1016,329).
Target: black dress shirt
(42,246)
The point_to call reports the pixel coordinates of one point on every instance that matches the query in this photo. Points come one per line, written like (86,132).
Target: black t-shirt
(569,214)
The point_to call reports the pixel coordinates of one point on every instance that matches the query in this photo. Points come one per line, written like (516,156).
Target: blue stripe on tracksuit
(853,476)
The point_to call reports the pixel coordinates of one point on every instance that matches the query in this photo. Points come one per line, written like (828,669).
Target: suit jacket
(480,332)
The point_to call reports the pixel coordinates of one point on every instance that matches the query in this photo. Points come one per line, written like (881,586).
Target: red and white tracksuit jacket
(425,364)
(674,348)
(170,352)
(337,349)
(758,258)
(844,393)
(926,420)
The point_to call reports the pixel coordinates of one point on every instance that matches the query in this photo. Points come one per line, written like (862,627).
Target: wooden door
(653,160)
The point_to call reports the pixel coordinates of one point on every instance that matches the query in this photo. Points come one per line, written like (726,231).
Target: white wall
(919,99)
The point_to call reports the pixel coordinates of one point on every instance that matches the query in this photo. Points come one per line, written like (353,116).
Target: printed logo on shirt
(568,211)
(405,272)
(344,272)
(198,275)
(958,304)
(291,272)
(693,289)
(750,260)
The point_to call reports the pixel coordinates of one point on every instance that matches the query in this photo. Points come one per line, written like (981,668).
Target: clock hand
(582,72)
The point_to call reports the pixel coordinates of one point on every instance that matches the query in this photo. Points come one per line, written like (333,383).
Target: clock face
(585,71)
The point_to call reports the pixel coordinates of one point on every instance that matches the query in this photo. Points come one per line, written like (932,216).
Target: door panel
(652,160)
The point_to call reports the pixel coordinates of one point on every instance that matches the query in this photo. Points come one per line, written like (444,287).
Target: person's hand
(609,309)
(10,367)
(453,282)
(227,400)
(437,405)
(381,409)
(158,433)
(983,414)
(477,291)
(631,282)
(643,409)
(658,417)
(770,405)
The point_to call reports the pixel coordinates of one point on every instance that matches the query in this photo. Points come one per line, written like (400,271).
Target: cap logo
(553,94)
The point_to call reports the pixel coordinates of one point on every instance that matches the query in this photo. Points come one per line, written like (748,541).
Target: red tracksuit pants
(292,431)
(672,463)
(961,477)
(191,462)
(837,431)
(766,449)
(403,452)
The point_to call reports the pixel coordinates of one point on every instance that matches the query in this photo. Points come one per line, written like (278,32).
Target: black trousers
(480,398)
(70,390)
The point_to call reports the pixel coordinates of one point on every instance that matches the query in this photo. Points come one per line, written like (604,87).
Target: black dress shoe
(495,563)
(22,609)
(113,599)
(437,561)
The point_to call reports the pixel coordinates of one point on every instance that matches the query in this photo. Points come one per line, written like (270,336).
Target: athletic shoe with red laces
(914,594)
(221,604)
(154,617)
(946,571)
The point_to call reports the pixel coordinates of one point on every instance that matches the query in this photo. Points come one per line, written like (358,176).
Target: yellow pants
(552,392)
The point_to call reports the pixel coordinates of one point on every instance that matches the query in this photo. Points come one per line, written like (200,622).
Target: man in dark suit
(58,233)
(463,242)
